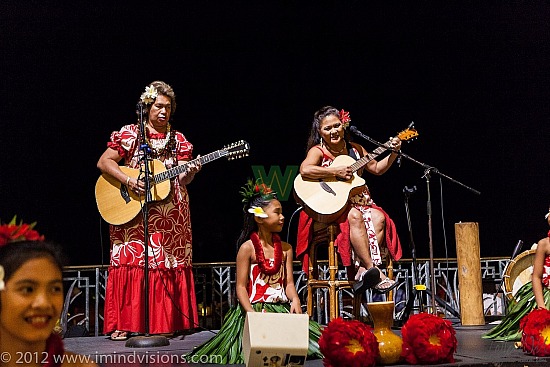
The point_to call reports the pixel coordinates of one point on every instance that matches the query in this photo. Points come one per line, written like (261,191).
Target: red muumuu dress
(172,302)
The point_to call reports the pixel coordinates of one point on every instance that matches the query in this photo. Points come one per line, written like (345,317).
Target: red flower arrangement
(348,344)
(535,337)
(13,232)
(428,339)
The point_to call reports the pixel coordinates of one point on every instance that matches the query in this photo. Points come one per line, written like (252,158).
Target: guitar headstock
(237,149)
(407,134)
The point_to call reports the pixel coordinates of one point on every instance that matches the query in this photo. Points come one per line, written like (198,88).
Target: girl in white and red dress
(264,276)
(524,302)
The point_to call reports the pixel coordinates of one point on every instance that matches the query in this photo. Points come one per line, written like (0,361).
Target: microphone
(354,130)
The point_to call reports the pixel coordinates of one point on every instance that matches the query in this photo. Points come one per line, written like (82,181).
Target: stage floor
(472,351)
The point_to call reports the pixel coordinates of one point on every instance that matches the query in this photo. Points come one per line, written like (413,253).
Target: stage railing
(215,291)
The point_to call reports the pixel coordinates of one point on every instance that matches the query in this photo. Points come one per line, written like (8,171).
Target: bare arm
(188,176)
(311,167)
(380,167)
(244,259)
(543,250)
(108,163)
(290,290)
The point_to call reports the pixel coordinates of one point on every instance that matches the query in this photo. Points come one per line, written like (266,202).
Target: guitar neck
(173,172)
(366,159)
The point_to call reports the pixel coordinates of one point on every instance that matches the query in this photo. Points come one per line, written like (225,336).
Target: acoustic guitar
(118,204)
(326,199)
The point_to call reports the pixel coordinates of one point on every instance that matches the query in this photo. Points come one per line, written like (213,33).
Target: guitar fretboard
(172,172)
(369,157)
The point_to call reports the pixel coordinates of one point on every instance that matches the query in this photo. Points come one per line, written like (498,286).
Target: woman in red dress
(171,286)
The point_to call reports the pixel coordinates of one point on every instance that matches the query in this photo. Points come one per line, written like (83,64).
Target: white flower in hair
(2,285)
(149,95)
(257,211)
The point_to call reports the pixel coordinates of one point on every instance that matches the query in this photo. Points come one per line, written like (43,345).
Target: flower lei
(150,95)
(13,232)
(260,258)
(344,117)
(160,150)
(428,339)
(348,344)
(535,336)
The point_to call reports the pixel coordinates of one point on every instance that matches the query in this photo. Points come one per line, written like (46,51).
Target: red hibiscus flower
(348,344)
(428,339)
(535,337)
(13,232)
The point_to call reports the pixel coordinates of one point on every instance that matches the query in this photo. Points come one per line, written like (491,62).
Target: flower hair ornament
(256,190)
(13,232)
(149,96)
(344,117)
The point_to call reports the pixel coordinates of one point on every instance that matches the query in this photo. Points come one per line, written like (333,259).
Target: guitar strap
(352,154)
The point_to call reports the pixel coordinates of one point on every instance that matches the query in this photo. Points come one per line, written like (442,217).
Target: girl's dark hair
(15,254)
(249,224)
(314,135)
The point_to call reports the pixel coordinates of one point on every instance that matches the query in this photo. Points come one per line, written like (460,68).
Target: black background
(473,77)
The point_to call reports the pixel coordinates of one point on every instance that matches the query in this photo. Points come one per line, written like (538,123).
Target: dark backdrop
(473,77)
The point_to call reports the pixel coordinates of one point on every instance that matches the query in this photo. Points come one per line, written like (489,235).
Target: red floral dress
(267,288)
(364,203)
(172,303)
(546,272)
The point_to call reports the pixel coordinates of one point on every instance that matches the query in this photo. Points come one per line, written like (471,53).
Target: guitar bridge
(327,188)
(124,193)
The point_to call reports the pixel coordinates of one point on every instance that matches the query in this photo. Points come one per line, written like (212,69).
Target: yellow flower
(257,211)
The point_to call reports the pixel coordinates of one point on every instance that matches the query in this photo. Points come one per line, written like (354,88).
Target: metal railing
(215,291)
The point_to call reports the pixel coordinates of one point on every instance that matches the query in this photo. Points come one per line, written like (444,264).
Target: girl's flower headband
(150,95)
(344,117)
(253,190)
(13,232)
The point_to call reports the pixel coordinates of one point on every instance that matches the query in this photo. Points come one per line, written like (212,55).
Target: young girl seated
(264,281)
(31,300)
(524,302)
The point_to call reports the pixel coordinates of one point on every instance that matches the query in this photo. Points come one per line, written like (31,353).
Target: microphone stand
(147,340)
(427,170)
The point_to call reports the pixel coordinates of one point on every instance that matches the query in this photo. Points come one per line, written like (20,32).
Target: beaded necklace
(262,262)
(162,147)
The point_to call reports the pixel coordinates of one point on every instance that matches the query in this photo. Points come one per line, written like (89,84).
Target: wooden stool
(326,234)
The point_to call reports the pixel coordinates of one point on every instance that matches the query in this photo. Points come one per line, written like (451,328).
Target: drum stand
(500,284)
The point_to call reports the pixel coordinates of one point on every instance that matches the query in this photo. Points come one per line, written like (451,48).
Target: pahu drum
(518,272)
